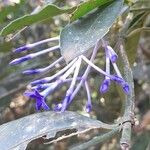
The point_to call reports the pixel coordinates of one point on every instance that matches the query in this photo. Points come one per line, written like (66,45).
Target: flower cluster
(41,88)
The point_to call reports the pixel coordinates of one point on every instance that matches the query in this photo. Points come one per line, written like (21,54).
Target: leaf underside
(17,134)
(79,36)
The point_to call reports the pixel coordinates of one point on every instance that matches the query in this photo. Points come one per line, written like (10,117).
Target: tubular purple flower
(33,71)
(112,54)
(29,46)
(40,96)
(20,60)
(120,80)
(126,88)
(89,103)
(106,83)
(40,70)
(33,55)
(117,79)
(22,48)
(105,86)
(123,84)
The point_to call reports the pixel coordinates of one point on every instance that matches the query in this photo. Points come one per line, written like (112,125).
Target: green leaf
(47,12)
(133,36)
(131,45)
(17,134)
(80,36)
(137,21)
(86,7)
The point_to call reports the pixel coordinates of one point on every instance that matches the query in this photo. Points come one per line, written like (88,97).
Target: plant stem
(129,101)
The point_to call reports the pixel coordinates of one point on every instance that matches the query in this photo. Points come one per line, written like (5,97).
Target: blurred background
(108,107)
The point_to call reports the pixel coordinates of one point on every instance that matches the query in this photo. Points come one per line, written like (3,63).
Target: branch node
(124,146)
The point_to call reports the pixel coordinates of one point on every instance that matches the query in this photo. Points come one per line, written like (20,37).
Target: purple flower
(117,79)
(20,60)
(112,54)
(40,70)
(126,88)
(41,88)
(88,107)
(33,55)
(40,96)
(89,103)
(32,71)
(22,48)
(106,83)
(29,46)
(40,100)
(105,86)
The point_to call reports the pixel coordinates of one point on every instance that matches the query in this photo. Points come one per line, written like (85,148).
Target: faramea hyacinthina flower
(41,88)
